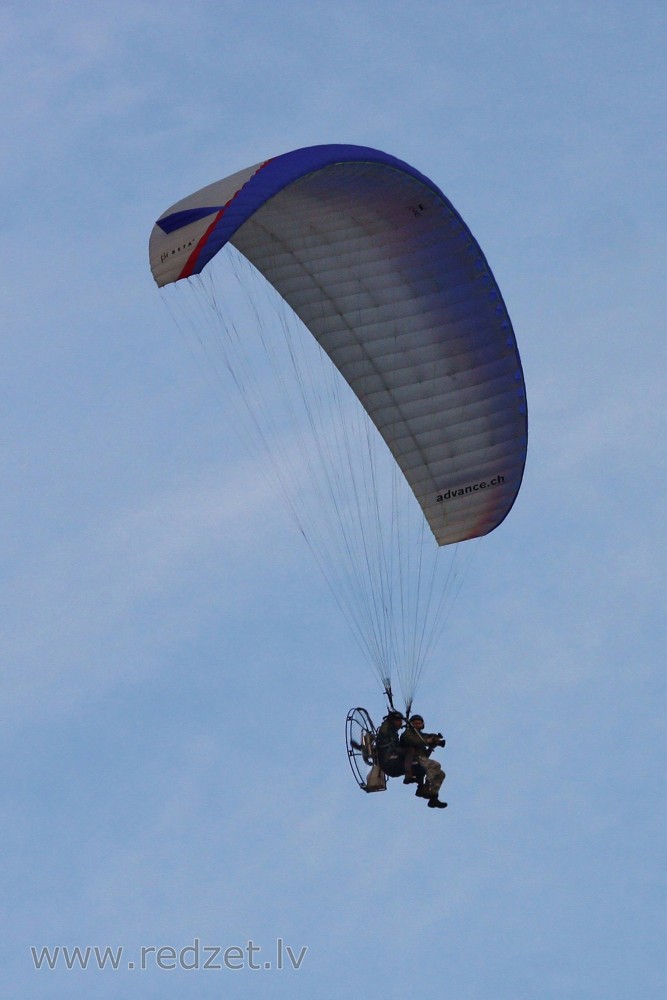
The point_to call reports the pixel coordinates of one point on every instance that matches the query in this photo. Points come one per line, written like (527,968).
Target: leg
(409,778)
(434,774)
(434,778)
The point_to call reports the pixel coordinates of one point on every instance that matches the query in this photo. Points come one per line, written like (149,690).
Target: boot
(435,803)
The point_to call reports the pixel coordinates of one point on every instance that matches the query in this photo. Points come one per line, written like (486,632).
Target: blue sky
(175,675)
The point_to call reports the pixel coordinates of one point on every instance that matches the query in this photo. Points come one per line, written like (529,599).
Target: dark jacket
(390,753)
(419,743)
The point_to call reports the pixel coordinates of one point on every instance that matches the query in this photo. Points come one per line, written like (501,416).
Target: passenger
(418,747)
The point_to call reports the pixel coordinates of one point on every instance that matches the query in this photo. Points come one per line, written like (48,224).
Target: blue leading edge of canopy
(270,178)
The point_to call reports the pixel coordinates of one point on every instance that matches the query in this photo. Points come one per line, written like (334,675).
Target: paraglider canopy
(385,274)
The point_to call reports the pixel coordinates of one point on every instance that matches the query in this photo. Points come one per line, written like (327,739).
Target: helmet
(416,718)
